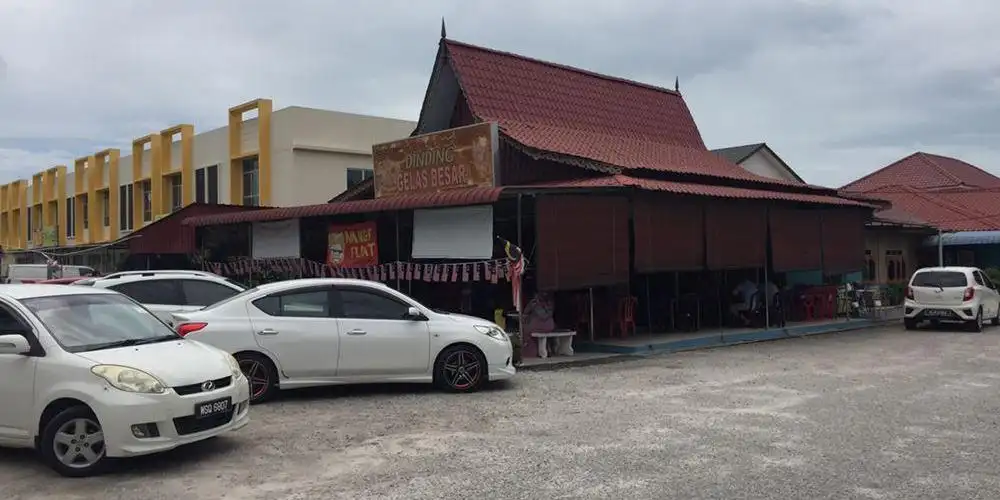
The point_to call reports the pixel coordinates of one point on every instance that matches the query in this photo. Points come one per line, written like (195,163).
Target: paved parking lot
(879,414)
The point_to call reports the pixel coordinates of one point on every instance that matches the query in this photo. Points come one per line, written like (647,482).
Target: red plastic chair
(809,305)
(626,316)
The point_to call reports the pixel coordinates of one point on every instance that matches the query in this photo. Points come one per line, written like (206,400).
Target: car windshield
(88,322)
(943,279)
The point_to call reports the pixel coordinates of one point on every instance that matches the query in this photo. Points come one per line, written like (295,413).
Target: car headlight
(234,365)
(129,379)
(492,331)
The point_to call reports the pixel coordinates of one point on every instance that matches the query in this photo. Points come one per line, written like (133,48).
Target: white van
(30,273)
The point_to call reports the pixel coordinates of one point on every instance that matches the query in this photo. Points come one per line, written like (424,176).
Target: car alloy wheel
(259,377)
(79,443)
(463,370)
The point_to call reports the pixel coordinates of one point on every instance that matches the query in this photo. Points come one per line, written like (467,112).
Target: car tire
(261,374)
(61,436)
(461,368)
(909,324)
(976,325)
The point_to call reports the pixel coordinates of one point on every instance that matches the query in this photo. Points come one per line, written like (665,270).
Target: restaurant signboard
(456,158)
(352,245)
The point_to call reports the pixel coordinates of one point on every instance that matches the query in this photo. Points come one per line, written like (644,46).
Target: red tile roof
(456,197)
(947,193)
(684,188)
(946,211)
(577,113)
(924,171)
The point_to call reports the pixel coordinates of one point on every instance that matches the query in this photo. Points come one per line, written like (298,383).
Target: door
(17,382)
(299,329)
(161,297)
(990,298)
(376,338)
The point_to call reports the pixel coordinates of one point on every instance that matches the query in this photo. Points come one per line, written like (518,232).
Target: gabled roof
(948,193)
(924,172)
(587,119)
(738,154)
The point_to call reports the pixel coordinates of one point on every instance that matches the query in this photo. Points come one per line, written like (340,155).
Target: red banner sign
(354,245)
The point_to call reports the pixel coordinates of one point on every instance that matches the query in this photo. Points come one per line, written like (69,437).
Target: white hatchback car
(87,374)
(167,292)
(951,295)
(312,332)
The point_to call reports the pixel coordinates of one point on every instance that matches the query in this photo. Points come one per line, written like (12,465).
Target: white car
(951,295)
(312,332)
(166,292)
(87,374)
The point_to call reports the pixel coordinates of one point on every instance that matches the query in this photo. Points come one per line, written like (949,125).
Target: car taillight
(184,329)
(969,294)
(909,292)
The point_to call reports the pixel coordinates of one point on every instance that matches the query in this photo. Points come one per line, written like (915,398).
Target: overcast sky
(837,88)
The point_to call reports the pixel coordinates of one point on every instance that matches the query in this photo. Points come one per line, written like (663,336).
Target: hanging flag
(516,265)
(475,271)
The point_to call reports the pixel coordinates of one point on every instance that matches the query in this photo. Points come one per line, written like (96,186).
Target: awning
(470,196)
(965,238)
(687,188)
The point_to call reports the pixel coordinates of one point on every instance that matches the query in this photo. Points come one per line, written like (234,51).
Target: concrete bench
(564,342)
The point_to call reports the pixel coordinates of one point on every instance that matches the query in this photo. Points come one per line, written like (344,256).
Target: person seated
(743,293)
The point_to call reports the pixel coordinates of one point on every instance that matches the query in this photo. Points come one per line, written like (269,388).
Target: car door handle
(357,331)
(268,331)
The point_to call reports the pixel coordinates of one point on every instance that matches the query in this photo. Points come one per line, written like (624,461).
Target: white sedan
(313,332)
(87,374)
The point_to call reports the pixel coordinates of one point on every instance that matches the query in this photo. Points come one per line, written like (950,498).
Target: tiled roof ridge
(930,161)
(449,41)
(849,185)
(932,156)
(739,175)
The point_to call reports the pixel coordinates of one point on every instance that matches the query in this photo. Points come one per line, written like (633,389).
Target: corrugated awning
(471,196)
(965,238)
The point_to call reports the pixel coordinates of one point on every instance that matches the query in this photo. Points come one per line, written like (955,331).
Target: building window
(251,185)
(176,193)
(870,268)
(147,200)
(106,207)
(70,217)
(356,176)
(895,266)
(199,185)
(126,212)
(206,184)
(212,188)
(85,208)
(30,222)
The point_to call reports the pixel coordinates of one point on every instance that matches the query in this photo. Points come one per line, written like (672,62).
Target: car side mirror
(14,344)
(414,314)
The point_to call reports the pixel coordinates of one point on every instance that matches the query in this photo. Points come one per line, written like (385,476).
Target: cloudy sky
(837,88)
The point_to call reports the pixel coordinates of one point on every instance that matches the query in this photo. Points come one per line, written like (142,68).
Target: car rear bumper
(944,313)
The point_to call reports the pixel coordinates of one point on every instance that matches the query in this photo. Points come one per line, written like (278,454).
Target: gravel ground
(881,414)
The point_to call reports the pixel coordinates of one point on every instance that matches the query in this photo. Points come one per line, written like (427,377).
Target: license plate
(209,408)
(936,312)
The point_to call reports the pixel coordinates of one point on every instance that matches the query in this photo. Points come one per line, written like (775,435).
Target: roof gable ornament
(677,84)
(444,32)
